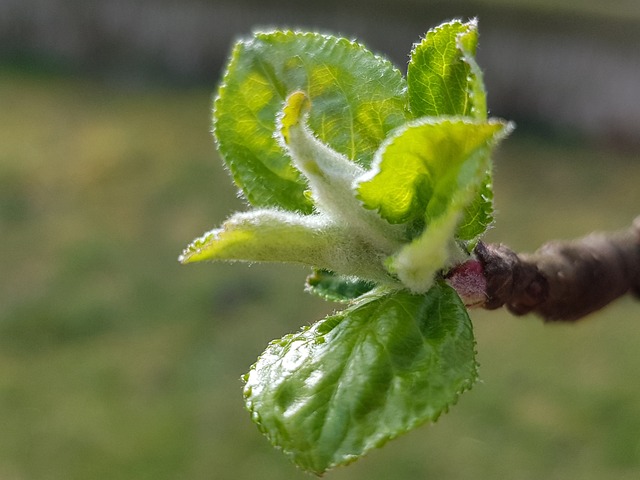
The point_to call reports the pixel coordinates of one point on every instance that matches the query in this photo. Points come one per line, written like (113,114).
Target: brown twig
(563,280)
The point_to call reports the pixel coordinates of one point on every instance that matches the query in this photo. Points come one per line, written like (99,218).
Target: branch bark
(561,281)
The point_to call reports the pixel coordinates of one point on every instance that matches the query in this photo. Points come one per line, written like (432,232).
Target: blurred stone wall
(572,71)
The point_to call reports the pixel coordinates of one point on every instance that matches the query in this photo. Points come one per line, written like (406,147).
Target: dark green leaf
(337,288)
(357,379)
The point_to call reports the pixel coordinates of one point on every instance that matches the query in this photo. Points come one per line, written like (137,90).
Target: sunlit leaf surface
(357,99)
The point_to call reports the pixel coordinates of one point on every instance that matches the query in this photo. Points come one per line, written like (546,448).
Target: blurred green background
(118,363)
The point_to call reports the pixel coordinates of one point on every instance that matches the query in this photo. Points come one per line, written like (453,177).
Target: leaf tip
(196,250)
(295,107)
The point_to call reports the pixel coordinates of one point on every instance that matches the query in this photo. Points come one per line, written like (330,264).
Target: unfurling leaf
(417,263)
(428,164)
(331,177)
(275,236)
(357,379)
(357,98)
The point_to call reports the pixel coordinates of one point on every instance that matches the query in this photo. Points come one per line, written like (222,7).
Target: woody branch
(561,281)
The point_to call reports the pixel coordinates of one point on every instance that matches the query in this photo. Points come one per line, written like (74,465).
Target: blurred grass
(117,363)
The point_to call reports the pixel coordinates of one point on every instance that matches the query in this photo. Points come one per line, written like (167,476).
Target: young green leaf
(358,98)
(439,77)
(417,263)
(331,177)
(424,165)
(276,236)
(357,379)
(444,78)
(264,236)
